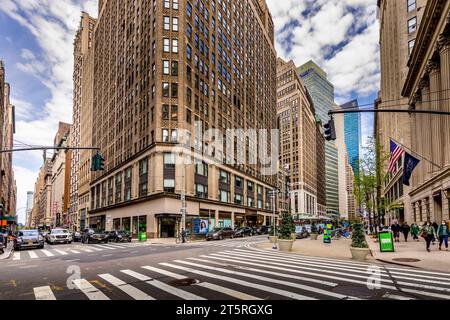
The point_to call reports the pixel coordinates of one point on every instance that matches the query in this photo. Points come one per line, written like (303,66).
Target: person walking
(428,233)
(435,227)
(406,229)
(183,235)
(443,233)
(395,228)
(415,231)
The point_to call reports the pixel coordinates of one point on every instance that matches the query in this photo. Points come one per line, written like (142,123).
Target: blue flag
(408,167)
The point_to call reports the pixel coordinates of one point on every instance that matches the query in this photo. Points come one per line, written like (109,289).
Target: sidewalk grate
(406,260)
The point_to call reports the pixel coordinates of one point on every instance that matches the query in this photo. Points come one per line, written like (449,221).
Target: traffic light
(102,163)
(330,130)
(98,163)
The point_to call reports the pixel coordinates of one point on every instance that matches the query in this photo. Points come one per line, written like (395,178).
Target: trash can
(142,236)
(386,241)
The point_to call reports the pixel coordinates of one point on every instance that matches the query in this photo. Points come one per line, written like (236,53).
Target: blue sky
(341,36)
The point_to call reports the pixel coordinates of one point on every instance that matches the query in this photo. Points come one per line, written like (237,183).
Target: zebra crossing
(72,250)
(254,274)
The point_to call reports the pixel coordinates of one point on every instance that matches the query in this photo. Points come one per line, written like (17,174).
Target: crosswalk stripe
(74,251)
(163,286)
(415,271)
(44,293)
(89,290)
(47,253)
(241,282)
(396,297)
(33,255)
(117,246)
(86,250)
(16,256)
(212,256)
(227,291)
(133,292)
(95,249)
(105,247)
(271,280)
(60,252)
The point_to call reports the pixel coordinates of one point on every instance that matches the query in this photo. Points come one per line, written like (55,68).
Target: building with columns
(163,74)
(399,21)
(427,87)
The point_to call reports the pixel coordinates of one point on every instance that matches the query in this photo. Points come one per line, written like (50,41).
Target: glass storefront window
(126,224)
(116,224)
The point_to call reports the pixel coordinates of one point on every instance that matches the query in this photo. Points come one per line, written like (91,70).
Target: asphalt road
(218,270)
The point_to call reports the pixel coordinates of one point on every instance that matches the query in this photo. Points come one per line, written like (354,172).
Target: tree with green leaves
(358,236)
(286,226)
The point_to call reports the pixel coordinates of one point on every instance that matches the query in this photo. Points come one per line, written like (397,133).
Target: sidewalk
(410,251)
(164,241)
(337,249)
(7,252)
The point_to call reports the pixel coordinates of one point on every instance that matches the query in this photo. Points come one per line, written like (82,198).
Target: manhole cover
(406,260)
(184,282)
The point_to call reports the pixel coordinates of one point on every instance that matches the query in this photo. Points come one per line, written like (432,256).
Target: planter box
(273,239)
(285,245)
(314,236)
(359,254)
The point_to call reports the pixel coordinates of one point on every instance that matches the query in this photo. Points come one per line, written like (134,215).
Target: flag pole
(416,154)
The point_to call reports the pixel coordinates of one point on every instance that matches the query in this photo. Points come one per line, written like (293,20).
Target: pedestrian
(428,233)
(443,233)
(395,228)
(183,235)
(406,229)
(415,231)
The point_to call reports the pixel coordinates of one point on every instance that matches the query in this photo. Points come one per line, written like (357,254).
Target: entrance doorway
(437,207)
(167,227)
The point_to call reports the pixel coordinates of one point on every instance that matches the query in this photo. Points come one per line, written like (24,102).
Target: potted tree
(314,232)
(285,240)
(359,247)
(272,234)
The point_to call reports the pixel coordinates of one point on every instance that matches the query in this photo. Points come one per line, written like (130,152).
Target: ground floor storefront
(161,218)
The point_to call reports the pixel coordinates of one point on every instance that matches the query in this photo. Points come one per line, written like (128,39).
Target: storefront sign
(386,242)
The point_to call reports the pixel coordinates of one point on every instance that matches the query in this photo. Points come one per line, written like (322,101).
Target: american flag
(396,153)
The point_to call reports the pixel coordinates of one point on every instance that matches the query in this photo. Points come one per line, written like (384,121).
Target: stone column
(216,219)
(417,130)
(426,133)
(444,51)
(434,104)
(232,220)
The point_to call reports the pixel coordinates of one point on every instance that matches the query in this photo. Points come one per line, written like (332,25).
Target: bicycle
(179,239)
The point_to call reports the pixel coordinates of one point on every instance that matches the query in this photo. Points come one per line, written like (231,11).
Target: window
(189,31)
(201,191)
(119,187)
(175,24)
(128,179)
(165,112)
(411,5)
(143,177)
(175,4)
(166,45)
(174,135)
(166,4)
(239,182)
(188,52)
(238,199)
(250,186)
(166,23)
(201,169)
(174,90)
(188,116)
(411,46)
(166,67)
(169,160)
(169,185)
(224,177)
(165,135)
(165,89)
(260,204)
(175,46)
(412,25)
(174,113)
(174,68)
(189,9)
(224,196)
(250,202)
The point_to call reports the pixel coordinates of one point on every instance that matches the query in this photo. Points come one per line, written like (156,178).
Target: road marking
(241,282)
(107,255)
(396,297)
(44,293)
(286,283)
(117,246)
(86,250)
(163,286)
(217,257)
(33,255)
(133,292)
(16,256)
(74,251)
(94,248)
(47,253)
(61,252)
(89,290)
(105,247)
(227,291)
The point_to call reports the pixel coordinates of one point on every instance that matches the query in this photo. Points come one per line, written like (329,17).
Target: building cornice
(443,174)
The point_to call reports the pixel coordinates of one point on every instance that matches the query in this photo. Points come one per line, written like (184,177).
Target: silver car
(59,236)
(28,239)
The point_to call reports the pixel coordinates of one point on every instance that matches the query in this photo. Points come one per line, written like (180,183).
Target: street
(217,270)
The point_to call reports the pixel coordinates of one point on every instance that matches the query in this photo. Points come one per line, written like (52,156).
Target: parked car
(76,236)
(220,234)
(119,236)
(302,234)
(262,230)
(91,235)
(242,232)
(28,239)
(2,247)
(58,235)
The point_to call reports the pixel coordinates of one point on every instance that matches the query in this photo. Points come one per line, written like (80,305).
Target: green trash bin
(142,236)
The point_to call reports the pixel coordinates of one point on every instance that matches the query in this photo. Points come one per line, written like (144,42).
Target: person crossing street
(415,231)
(443,233)
(428,233)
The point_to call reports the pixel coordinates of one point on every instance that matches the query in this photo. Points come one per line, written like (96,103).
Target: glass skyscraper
(352,132)
(322,94)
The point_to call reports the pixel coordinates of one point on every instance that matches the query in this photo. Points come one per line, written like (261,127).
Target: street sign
(386,241)
(327,233)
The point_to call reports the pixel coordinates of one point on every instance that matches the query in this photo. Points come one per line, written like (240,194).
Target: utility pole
(183,201)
